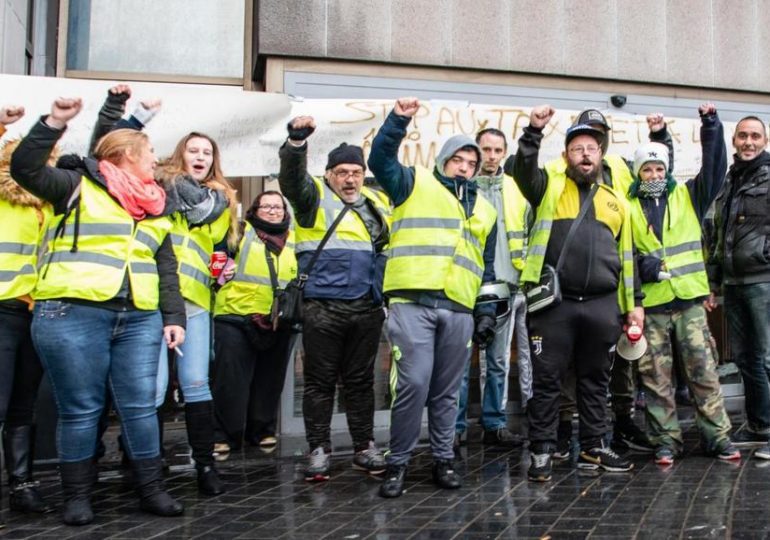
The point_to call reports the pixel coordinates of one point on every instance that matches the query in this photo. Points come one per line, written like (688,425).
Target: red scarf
(138,196)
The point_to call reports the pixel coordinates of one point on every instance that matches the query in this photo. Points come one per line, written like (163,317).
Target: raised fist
(300,128)
(656,122)
(407,106)
(540,116)
(152,105)
(10,113)
(63,110)
(119,89)
(707,108)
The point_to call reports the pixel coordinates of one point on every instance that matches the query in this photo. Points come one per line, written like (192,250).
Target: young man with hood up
(442,249)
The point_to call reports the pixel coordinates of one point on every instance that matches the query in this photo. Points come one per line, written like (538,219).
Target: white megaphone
(632,344)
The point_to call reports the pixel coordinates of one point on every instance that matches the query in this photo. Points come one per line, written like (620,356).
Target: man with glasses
(441,251)
(597,282)
(343,307)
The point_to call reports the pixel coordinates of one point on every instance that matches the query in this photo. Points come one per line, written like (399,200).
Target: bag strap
(304,275)
(271,268)
(573,228)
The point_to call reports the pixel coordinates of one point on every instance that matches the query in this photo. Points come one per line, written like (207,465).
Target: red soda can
(218,261)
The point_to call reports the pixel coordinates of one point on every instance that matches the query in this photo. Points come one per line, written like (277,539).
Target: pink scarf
(139,197)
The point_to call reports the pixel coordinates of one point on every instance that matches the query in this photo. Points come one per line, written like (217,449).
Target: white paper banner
(250,126)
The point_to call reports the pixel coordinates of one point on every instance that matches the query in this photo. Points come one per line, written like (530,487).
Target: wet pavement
(697,497)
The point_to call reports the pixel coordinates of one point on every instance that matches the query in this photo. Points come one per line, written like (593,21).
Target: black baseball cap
(592,117)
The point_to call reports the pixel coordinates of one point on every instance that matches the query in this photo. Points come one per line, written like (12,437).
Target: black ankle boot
(200,434)
(148,476)
(393,481)
(18,444)
(77,480)
(444,475)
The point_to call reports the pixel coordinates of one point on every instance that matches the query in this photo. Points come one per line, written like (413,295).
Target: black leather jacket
(742,226)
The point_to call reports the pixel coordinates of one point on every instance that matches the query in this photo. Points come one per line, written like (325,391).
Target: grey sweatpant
(430,349)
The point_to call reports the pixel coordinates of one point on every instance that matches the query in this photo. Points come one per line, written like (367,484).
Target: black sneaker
(745,438)
(540,467)
(501,437)
(628,435)
(605,458)
(444,475)
(393,481)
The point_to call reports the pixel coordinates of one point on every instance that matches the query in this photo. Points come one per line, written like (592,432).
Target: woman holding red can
(207,221)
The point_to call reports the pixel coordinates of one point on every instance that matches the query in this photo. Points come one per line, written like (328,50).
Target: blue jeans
(88,350)
(494,363)
(193,367)
(747,310)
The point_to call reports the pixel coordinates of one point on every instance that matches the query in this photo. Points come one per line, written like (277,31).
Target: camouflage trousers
(688,331)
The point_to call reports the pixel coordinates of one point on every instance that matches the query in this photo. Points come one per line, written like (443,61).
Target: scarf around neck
(139,197)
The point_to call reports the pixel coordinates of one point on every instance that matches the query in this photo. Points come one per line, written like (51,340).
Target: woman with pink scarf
(107,296)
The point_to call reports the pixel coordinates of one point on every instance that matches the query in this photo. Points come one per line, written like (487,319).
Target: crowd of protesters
(112,263)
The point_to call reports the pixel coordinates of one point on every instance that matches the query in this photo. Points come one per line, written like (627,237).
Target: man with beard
(740,267)
(597,282)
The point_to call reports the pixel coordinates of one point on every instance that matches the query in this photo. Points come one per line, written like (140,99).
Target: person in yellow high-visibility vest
(23,222)
(598,286)
(441,251)
(667,217)
(106,296)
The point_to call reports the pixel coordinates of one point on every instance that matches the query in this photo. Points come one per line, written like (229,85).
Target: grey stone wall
(710,43)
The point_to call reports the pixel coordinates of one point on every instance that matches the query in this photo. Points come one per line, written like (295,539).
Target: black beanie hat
(346,153)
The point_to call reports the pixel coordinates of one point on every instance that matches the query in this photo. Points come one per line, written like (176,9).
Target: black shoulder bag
(286,312)
(547,293)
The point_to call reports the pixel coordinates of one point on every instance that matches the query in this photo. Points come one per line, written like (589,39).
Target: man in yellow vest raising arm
(597,284)
(442,249)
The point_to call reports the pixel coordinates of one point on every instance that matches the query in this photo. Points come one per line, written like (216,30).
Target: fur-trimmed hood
(9,189)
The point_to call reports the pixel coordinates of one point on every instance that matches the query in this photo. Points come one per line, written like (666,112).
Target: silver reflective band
(85,257)
(204,257)
(253,279)
(334,243)
(421,251)
(194,273)
(682,248)
(147,240)
(177,239)
(143,268)
(425,223)
(687,269)
(97,229)
(9,275)
(469,265)
(515,235)
(17,248)
(537,250)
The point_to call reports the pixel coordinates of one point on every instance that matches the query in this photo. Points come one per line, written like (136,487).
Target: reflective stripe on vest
(514,213)
(681,250)
(433,246)
(251,290)
(350,234)
(193,247)
(22,230)
(541,234)
(109,243)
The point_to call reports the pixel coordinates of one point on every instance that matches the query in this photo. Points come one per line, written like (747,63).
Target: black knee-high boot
(18,445)
(200,434)
(148,476)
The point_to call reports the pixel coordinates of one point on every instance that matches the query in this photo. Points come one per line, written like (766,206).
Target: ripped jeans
(192,368)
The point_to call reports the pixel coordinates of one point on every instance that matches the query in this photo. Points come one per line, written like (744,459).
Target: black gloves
(299,134)
(484,331)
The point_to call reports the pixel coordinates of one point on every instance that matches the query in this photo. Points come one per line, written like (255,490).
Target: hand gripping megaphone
(632,344)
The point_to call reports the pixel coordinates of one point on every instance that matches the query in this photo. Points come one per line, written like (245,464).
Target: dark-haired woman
(251,356)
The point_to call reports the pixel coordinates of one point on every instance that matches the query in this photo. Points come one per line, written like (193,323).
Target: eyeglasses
(270,207)
(580,150)
(344,175)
